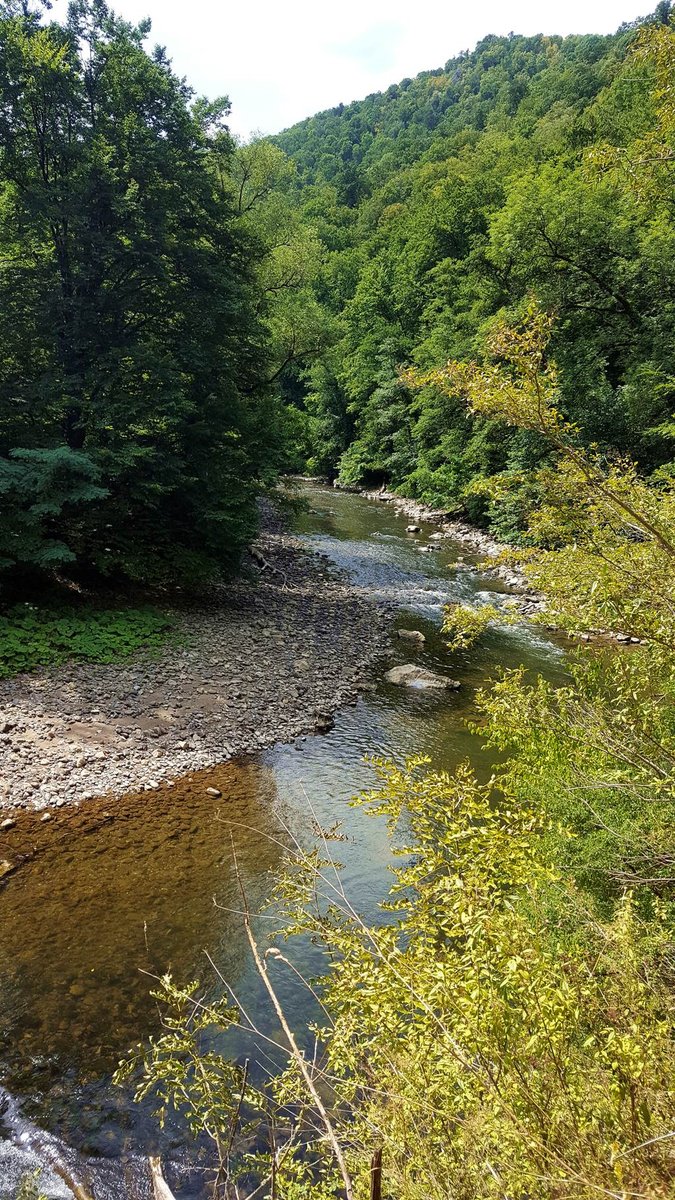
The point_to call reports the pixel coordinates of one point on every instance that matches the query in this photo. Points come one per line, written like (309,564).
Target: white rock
(410,675)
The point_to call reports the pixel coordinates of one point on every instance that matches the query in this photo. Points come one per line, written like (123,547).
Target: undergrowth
(32,637)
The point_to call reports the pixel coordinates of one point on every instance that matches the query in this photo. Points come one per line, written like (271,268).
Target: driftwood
(264,564)
(160,1187)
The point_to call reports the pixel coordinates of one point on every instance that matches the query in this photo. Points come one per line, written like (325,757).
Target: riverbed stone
(411,675)
(412,635)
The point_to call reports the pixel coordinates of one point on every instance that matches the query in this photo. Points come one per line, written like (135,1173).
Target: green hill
(442,204)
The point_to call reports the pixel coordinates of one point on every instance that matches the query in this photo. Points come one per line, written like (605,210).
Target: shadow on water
(104,894)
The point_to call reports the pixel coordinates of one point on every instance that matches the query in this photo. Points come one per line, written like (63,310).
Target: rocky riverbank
(261,662)
(526,602)
(476,541)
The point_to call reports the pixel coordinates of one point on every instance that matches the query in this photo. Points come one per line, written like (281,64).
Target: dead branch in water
(160,1188)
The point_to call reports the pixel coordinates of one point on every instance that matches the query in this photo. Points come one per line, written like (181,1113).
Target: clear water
(119,891)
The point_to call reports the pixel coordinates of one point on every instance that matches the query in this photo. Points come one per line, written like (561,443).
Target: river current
(126,889)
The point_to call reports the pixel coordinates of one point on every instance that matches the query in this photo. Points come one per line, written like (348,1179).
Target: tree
(128,320)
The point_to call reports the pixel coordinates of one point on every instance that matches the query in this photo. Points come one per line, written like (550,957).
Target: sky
(282,60)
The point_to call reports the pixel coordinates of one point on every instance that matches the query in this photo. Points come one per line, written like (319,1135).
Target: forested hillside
(441,205)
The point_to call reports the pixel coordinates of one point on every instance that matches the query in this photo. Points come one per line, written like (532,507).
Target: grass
(32,636)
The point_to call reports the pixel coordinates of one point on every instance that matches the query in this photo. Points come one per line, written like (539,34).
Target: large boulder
(410,675)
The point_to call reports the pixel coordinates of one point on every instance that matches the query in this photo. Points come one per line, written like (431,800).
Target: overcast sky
(282,60)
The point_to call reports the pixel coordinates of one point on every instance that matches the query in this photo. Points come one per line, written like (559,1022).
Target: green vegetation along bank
(139,416)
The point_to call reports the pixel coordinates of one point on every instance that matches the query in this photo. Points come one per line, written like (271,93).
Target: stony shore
(526,602)
(261,662)
(476,541)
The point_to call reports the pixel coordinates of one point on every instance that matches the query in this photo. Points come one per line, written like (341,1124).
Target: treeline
(442,204)
(140,339)
(182,317)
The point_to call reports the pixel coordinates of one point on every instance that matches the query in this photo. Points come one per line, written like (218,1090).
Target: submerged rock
(412,635)
(323,722)
(410,675)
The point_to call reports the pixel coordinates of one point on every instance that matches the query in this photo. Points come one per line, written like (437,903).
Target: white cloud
(282,60)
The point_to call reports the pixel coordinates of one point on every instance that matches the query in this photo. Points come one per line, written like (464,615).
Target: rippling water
(115,892)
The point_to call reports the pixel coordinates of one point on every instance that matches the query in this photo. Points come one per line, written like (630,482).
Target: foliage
(260,1141)
(531,165)
(32,636)
(29,1189)
(180,1072)
(600,751)
(465,625)
(492,1037)
(491,1049)
(134,392)
(37,487)
(507,1028)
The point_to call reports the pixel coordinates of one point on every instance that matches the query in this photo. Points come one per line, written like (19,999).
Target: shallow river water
(119,889)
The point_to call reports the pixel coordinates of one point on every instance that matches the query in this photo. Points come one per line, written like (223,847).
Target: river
(126,889)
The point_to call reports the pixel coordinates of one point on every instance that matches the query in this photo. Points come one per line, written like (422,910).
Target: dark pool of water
(116,892)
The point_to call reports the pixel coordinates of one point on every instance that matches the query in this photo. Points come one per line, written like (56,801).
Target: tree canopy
(531,165)
(135,408)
